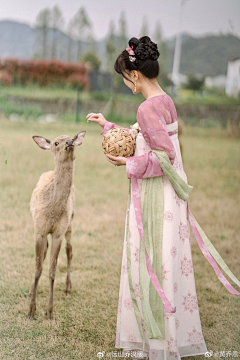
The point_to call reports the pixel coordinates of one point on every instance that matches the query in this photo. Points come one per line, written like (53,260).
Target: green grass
(85,322)
(212,97)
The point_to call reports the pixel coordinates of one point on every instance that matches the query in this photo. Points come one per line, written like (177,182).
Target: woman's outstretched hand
(116,160)
(98,118)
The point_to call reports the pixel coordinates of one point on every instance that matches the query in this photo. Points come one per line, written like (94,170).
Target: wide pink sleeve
(109,125)
(153,127)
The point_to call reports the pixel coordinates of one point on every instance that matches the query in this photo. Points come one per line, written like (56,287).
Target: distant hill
(207,55)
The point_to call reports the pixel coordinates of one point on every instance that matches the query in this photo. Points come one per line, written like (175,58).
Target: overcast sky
(198,17)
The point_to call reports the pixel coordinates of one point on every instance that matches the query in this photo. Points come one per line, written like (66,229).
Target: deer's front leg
(56,246)
(40,253)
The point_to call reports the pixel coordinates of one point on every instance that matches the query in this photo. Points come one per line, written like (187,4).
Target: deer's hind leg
(68,248)
(41,245)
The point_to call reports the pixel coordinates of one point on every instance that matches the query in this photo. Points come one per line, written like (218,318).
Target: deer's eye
(56,143)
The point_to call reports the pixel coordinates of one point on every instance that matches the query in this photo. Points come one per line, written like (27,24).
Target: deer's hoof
(49,314)
(32,309)
(68,287)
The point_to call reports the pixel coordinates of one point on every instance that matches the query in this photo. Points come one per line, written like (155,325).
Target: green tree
(111,47)
(163,59)
(144,29)
(111,51)
(57,23)
(122,31)
(70,34)
(195,82)
(92,58)
(41,29)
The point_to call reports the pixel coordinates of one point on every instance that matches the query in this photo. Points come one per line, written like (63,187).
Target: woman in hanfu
(158,314)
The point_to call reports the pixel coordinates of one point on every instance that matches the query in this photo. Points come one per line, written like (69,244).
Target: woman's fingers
(112,157)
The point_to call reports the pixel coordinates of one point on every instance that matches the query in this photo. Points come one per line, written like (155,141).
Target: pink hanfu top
(152,116)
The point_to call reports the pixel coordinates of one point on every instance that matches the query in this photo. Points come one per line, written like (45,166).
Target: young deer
(51,205)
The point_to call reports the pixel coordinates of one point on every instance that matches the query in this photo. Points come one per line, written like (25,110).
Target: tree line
(75,41)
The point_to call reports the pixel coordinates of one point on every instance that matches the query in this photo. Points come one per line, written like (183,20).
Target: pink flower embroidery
(167,315)
(155,353)
(190,302)
(136,254)
(164,272)
(175,287)
(128,304)
(172,345)
(168,216)
(143,325)
(120,304)
(178,200)
(195,338)
(176,323)
(183,232)
(132,338)
(173,251)
(136,288)
(186,267)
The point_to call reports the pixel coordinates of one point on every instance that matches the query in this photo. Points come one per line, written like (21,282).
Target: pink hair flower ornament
(131,52)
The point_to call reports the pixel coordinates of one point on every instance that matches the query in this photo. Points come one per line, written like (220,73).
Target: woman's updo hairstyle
(146,54)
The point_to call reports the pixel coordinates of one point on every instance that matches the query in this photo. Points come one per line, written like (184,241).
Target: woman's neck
(150,89)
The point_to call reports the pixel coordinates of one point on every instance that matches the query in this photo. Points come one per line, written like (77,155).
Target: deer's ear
(77,139)
(42,142)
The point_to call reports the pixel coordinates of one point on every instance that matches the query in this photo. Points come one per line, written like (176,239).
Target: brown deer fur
(52,208)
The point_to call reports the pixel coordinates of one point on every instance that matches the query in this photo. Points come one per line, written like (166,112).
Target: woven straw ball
(118,142)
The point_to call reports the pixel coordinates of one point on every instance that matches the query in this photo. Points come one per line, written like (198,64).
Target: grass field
(85,322)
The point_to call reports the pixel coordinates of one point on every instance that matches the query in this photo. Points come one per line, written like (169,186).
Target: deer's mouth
(69,147)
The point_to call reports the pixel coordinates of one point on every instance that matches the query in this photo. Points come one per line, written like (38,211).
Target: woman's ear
(135,75)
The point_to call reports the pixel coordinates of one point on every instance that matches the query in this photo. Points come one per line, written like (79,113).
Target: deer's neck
(63,180)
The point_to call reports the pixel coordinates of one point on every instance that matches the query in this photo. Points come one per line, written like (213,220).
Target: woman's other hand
(116,160)
(98,118)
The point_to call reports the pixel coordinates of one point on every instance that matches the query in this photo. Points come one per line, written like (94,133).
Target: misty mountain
(207,55)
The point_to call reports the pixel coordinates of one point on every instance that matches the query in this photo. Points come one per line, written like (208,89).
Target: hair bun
(145,48)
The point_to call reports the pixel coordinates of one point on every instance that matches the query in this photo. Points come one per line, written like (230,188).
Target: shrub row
(42,72)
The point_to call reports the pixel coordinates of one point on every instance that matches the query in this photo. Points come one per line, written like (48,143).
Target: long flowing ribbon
(152,274)
(183,190)
(210,259)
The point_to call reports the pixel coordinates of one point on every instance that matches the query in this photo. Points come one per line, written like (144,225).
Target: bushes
(5,78)
(43,72)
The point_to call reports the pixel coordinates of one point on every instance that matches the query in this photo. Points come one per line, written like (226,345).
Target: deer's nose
(69,142)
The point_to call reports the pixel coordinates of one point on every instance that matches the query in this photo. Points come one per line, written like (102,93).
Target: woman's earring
(135,89)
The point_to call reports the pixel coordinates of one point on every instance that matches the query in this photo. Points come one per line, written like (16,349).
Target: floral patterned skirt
(183,333)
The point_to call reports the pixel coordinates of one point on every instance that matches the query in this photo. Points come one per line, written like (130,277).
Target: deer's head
(63,147)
